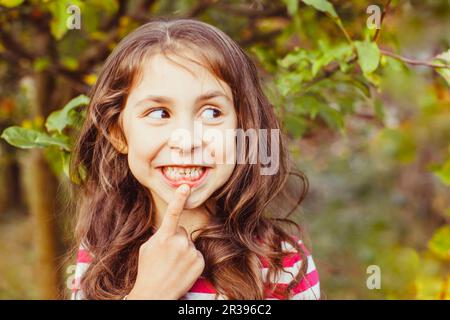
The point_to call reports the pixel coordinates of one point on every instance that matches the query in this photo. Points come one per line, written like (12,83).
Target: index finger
(171,218)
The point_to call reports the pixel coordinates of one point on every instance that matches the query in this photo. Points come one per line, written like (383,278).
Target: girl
(161,213)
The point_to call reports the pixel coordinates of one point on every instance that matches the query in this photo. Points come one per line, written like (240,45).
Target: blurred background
(360,87)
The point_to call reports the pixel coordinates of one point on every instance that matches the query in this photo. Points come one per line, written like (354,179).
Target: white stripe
(286,246)
(77,295)
(201,296)
(80,269)
(288,273)
(312,293)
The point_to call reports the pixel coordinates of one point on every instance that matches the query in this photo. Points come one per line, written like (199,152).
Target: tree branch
(14,47)
(413,61)
(385,11)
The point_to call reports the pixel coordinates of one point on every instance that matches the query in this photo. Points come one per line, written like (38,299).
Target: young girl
(167,213)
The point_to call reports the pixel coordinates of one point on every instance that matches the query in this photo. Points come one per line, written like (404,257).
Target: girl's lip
(191,184)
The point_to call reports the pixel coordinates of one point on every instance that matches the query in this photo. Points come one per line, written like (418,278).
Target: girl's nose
(185,139)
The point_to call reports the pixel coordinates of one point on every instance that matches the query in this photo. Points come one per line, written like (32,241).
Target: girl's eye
(211,113)
(158,114)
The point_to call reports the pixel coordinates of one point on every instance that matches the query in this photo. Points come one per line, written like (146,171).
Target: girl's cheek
(223,151)
(229,156)
(144,143)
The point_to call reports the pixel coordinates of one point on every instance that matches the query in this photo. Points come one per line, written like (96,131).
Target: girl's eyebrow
(168,100)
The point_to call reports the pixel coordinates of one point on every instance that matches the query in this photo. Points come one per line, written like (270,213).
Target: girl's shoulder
(308,288)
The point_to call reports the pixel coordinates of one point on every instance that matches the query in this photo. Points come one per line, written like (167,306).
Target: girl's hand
(169,263)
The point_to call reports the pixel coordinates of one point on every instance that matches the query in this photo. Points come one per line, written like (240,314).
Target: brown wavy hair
(115,213)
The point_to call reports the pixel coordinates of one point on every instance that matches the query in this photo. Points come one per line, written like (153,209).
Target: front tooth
(177,173)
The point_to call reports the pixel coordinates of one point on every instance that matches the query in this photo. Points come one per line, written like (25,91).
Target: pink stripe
(289,260)
(84,256)
(306,283)
(202,285)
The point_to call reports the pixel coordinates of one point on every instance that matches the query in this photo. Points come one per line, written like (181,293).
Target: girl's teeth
(176,174)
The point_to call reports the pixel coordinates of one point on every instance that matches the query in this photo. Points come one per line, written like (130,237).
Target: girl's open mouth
(178,175)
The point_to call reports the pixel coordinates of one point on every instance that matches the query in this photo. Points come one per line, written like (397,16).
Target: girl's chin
(195,201)
(192,202)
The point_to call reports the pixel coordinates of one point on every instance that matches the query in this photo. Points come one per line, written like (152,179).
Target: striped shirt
(307,289)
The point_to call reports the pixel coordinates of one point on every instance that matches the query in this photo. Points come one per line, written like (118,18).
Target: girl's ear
(117,139)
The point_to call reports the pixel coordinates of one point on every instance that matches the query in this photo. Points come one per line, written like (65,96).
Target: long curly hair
(114,213)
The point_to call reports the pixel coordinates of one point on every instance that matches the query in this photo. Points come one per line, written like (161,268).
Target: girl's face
(162,120)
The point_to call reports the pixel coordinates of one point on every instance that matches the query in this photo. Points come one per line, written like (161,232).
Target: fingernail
(184,189)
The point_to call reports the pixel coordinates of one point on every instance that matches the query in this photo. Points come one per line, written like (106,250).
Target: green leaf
(308,105)
(292,6)
(297,57)
(396,144)
(70,63)
(368,55)
(10,3)
(289,83)
(60,119)
(440,243)
(443,172)
(66,163)
(109,6)
(444,58)
(332,117)
(338,53)
(58,9)
(295,125)
(41,64)
(379,110)
(29,138)
(322,5)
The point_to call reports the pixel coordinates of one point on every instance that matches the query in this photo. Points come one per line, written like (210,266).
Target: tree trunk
(40,188)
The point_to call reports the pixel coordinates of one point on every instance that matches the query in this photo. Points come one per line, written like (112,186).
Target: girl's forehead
(172,75)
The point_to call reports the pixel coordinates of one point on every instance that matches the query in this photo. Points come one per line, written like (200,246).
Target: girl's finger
(171,218)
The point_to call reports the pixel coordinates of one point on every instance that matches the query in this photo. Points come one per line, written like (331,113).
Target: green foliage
(440,243)
(67,116)
(322,5)
(60,16)
(444,58)
(57,139)
(368,55)
(91,13)
(11,3)
(292,6)
(29,138)
(396,144)
(443,172)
